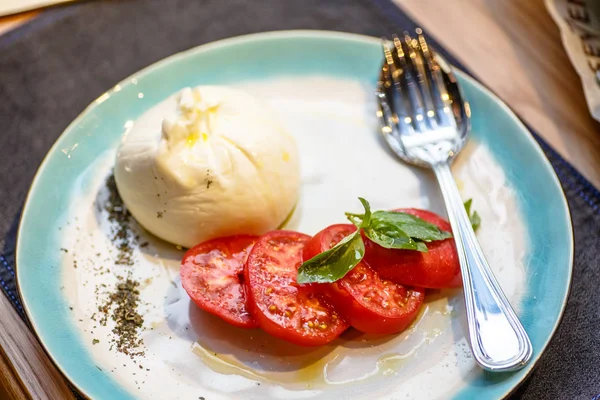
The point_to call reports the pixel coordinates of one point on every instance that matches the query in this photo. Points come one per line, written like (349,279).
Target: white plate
(321,86)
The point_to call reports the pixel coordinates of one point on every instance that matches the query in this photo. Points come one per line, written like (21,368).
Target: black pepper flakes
(121,219)
(122,302)
(208,180)
(122,308)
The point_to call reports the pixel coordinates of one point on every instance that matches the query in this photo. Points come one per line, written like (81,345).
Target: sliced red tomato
(436,269)
(212,274)
(368,302)
(280,305)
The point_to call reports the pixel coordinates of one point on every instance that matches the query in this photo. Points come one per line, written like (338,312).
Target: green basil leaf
(390,237)
(361,220)
(422,247)
(334,263)
(474,217)
(412,226)
(367,215)
(356,219)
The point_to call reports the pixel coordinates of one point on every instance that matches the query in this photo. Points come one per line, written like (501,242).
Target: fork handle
(498,340)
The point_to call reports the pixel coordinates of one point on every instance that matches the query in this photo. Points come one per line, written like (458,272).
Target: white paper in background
(8,7)
(577,19)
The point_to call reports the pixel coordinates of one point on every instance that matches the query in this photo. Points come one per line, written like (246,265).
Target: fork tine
(400,106)
(409,85)
(419,66)
(387,96)
(386,72)
(439,94)
(385,113)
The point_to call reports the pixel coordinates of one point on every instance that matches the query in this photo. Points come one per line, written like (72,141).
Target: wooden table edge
(11,385)
(31,369)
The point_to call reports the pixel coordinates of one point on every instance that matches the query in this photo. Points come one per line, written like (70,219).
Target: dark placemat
(53,67)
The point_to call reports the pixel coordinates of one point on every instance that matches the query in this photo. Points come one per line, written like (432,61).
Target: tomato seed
(272,308)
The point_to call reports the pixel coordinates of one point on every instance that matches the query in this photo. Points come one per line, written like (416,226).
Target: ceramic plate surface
(320,85)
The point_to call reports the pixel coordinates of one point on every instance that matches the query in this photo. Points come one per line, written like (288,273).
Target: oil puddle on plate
(352,358)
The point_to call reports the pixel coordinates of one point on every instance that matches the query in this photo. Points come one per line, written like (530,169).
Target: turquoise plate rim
(91,382)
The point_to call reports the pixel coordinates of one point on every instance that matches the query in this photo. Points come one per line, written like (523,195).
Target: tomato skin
(437,269)
(212,273)
(281,306)
(369,303)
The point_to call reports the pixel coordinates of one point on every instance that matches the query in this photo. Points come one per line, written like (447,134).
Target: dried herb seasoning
(120,218)
(122,303)
(122,308)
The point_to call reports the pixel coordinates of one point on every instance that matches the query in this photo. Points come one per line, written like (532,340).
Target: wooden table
(513,46)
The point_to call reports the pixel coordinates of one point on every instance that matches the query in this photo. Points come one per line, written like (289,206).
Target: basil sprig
(473,217)
(398,230)
(334,263)
(389,229)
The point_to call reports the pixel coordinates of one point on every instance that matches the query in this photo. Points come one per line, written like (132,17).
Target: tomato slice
(368,302)
(281,306)
(212,275)
(438,268)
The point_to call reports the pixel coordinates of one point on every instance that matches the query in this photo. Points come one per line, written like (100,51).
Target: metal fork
(426,121)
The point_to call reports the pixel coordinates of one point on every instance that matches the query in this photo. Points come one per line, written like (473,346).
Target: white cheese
(208,162)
